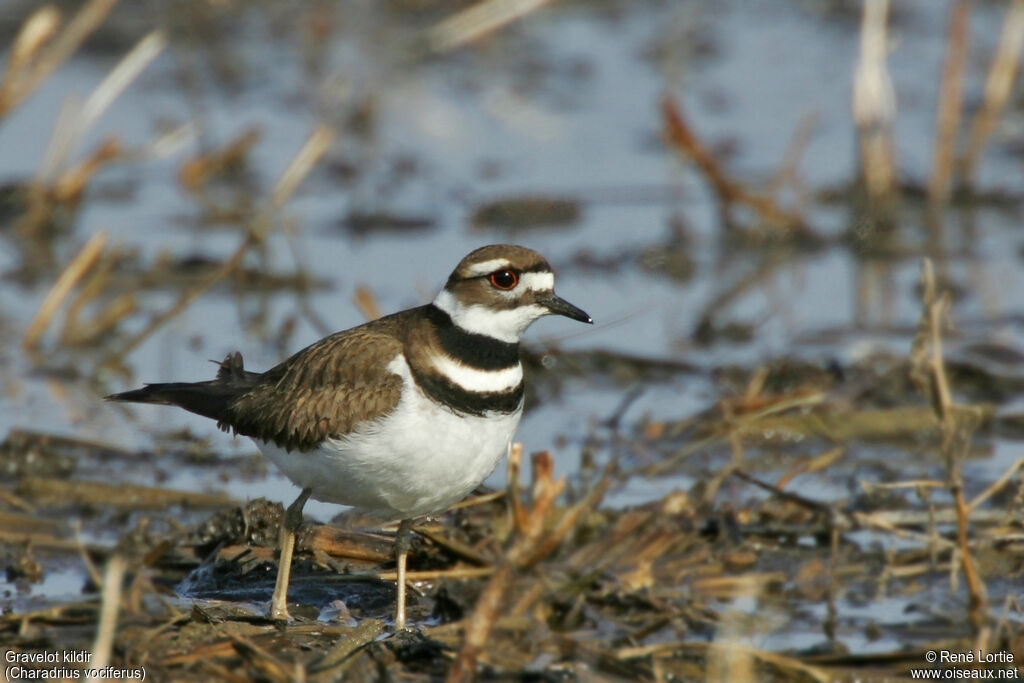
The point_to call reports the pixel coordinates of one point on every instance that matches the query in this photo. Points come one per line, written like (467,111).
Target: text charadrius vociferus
(402,416)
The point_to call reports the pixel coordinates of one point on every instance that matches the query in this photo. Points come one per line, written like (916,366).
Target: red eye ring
(505,279)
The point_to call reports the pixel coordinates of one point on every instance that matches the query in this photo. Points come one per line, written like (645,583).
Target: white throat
(506,325)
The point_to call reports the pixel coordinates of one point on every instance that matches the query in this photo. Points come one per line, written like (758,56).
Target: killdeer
(400,417)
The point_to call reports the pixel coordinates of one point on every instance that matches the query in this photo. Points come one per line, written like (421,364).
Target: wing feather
(323,390)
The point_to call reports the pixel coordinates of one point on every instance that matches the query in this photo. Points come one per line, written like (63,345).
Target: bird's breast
(420,458)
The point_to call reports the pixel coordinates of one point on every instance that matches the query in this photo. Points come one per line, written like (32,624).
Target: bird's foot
(412,644)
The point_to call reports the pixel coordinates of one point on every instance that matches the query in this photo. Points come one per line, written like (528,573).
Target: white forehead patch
(538,282)
(488,267)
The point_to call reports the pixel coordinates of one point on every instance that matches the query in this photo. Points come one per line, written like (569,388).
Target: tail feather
(211,399)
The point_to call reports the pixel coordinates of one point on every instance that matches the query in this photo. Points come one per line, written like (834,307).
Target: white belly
(420,459)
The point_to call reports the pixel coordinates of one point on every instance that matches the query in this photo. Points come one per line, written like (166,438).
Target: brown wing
(324,390)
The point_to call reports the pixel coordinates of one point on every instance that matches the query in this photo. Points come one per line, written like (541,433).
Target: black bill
(560,306)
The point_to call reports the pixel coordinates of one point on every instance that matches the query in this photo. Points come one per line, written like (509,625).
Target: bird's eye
(505,279)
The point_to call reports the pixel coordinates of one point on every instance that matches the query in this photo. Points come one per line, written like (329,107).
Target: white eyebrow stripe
(538,282)
(475,380)
(488,267)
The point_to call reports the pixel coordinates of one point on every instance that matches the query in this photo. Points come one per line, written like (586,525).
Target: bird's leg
(403,540)
(290,523)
